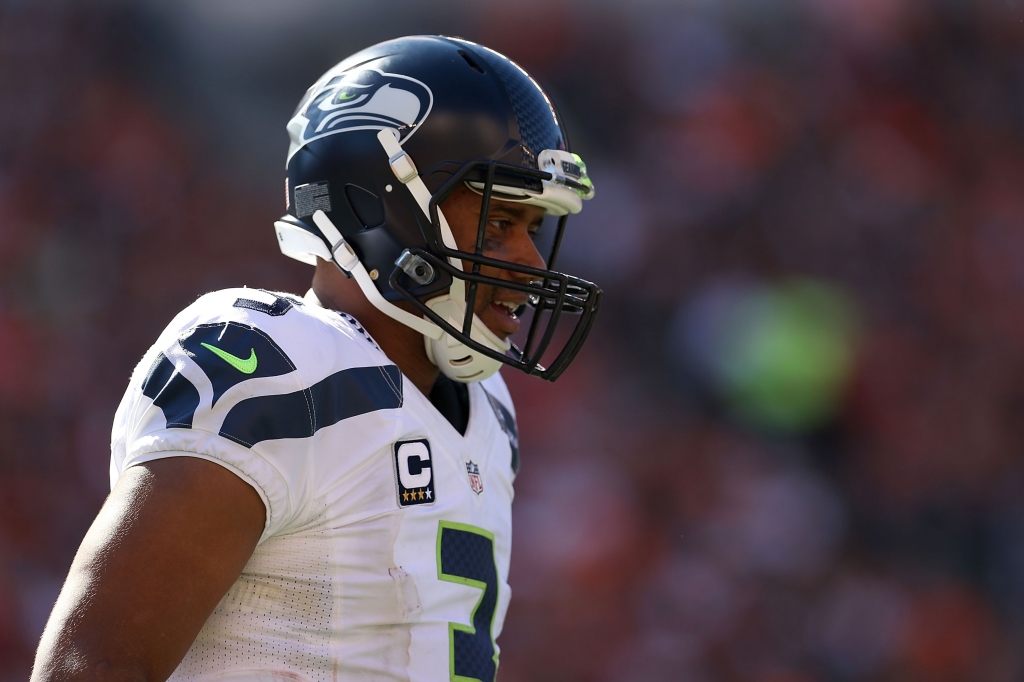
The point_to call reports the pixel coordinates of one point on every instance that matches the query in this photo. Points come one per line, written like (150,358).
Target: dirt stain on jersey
(407,594)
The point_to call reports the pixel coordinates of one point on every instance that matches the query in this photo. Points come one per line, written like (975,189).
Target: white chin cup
(456,360)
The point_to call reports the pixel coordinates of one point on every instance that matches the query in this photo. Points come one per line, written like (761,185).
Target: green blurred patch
(787,354)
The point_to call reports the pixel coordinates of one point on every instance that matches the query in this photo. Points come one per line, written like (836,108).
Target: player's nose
(524,252)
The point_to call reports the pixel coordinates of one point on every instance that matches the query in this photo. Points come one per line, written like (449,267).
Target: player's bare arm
(169,541)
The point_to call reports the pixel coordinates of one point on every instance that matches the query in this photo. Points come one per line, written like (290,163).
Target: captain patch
(414,473)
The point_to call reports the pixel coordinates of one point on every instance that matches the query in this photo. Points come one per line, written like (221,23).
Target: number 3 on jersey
(465,555)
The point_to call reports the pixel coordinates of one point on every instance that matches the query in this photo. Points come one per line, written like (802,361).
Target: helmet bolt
(374,274)
(415,267)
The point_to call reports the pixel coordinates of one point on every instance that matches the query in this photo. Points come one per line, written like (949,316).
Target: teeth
(512,307)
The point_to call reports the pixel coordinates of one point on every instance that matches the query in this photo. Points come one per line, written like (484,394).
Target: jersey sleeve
(243,379)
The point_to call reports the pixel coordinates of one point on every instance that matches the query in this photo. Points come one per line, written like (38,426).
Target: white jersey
(385,553)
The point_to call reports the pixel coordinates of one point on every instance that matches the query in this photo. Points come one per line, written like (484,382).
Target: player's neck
(404,346)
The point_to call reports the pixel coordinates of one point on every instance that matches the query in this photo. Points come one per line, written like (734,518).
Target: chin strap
(346,259)
(454,358)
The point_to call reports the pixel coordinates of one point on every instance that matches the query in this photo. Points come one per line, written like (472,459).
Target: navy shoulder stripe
(280,306)
(172,393)
(269,417)
(230,353)
(344,394)
(356,391)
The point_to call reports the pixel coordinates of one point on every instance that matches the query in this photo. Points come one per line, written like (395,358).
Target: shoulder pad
(230,353)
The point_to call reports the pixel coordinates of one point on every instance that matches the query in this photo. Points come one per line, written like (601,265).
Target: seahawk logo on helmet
(363,99)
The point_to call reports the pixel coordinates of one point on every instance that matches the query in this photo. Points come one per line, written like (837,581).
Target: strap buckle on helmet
(403,167)
(343,254)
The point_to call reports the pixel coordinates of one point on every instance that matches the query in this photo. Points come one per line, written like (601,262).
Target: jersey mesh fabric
(285,596)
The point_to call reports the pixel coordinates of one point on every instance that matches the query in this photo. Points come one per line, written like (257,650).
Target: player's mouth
(500,317)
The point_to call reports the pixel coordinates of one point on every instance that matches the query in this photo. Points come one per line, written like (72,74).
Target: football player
(320,488)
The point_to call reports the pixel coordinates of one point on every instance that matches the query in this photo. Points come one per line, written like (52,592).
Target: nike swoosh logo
(243,366)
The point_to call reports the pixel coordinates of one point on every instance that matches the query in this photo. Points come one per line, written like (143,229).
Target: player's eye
(499,224)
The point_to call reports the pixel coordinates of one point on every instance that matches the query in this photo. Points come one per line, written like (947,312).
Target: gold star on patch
(405,497)
(421,494)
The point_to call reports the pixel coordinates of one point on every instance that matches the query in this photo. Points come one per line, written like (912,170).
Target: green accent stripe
(482,586)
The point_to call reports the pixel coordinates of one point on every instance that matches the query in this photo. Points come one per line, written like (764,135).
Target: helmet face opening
(562,306)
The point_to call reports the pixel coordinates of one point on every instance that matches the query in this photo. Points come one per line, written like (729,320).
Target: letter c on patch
(414,456)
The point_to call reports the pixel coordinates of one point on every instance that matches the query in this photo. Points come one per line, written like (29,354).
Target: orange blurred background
(791,450)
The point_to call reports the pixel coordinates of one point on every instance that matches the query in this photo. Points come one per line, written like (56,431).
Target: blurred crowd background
(791,450)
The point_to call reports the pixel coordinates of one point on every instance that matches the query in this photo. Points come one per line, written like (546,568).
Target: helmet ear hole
(365,205)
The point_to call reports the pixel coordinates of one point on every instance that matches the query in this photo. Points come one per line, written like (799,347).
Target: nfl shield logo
(475,482)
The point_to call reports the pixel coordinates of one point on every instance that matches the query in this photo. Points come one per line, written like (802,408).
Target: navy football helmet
(381,139)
